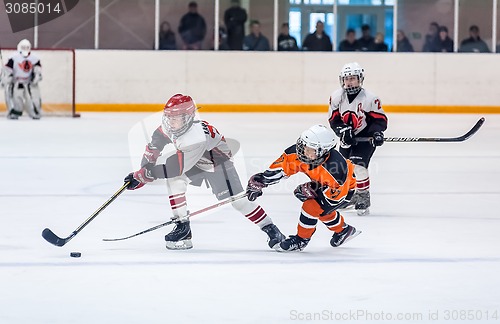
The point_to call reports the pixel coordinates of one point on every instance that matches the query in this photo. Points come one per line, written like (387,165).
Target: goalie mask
(24,47)
(351,78)
(178,114)
(314,144)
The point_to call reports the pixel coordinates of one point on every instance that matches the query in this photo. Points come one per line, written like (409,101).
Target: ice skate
(180,237)
(293,243)
(275,236)
(363,203)
(351,204)
(349,232)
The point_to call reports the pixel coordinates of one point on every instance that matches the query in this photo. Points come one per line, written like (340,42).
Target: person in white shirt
(355,112)
(202,155)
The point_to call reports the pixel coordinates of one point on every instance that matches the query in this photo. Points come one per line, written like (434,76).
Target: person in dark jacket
(404,44)
(285,41)
(318,41)
(379,44)
(444,42)
(432,38)
(474,43)
(234,19)
(349,44)
(255,41)
(167,37)
(192,28)
(366,41)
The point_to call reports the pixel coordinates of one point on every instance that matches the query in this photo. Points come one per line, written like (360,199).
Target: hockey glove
(138,179)
(378,138)
(306,191)
(346,136)
(328,205)
(151,154)
(254,187)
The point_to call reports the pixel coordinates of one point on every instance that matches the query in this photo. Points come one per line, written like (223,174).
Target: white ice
(429,251)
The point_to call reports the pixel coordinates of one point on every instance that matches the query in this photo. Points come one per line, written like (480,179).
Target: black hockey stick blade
(462,138)
(52,238)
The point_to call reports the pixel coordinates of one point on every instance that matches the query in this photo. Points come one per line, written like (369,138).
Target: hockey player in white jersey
(202,156)
(20,79)
(355,112)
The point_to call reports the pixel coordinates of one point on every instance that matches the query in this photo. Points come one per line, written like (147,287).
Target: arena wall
(287,82)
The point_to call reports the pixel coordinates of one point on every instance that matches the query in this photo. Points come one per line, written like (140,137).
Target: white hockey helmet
(178,114)
(320,138)
(24,47)
(352,69)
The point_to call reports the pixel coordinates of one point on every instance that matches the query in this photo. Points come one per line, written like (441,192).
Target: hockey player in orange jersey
(331,187)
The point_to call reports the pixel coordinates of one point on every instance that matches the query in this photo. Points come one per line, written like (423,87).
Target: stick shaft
(229,200)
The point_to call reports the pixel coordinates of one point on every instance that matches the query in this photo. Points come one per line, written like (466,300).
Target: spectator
(192,28)
(366,42)
(285,41)
(474,43)
(255,41)
(349,44)
(444,42)
(234,19)
(167,37)
(379,44)
(317,41)
(223,46)
(403,42)
(431,39)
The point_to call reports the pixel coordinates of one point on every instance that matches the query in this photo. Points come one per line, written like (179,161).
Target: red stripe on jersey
(334,114)
(377,115)
(180,158)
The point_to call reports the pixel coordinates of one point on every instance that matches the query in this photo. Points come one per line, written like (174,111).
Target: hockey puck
(75,254)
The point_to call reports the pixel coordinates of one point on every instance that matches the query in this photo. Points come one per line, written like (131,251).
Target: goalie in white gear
(202,156)
(355,112)
(20,79)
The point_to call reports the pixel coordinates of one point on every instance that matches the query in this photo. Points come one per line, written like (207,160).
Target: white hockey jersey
(22,68)
(364,112)
(202,146)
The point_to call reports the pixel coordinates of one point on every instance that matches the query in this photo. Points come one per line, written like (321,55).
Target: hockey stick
(221,203)
(462,138)
(52,238)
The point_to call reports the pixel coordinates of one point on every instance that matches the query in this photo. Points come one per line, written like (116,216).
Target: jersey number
(377,102)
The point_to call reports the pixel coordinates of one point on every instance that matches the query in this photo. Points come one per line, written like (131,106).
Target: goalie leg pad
(33,101)
(13,110)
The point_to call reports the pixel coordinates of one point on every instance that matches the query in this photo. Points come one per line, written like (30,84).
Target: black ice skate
(363,203)
(293,243)
(275,236)
(180,237)
(349,232)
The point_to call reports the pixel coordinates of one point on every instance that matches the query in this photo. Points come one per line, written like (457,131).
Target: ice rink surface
(429,251)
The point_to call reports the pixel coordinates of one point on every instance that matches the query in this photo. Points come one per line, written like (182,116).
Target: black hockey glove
(306,191)
(378,138)
(346,135)
(138,179)
(254,187)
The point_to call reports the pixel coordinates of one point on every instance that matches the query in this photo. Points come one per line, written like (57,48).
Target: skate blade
(363,212)
(352,236)
(180,245)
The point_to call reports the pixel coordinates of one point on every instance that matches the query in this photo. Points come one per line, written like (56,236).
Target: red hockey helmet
(178,114)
